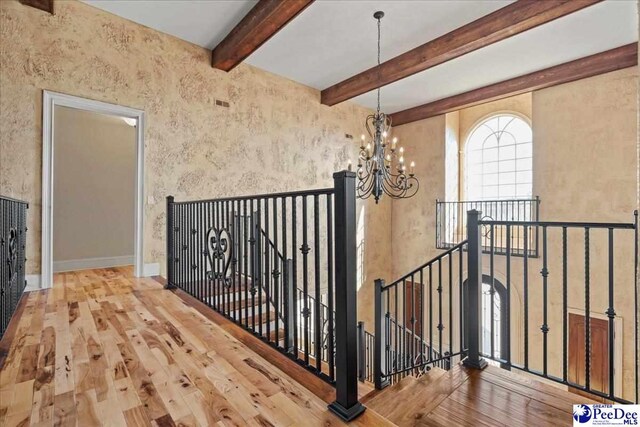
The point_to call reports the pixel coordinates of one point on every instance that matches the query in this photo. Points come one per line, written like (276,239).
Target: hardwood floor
(104,348)
(467,397)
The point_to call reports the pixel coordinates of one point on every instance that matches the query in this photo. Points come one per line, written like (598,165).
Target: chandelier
(381,165)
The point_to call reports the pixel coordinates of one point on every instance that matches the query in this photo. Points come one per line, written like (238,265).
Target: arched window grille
(498,161)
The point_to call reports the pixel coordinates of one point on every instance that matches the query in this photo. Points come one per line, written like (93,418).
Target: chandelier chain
(379,25)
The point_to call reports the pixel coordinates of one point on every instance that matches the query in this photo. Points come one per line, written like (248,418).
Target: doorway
(92,186)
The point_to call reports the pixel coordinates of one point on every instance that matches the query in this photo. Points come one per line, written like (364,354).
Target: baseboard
(152,269)
(88,263)
(33,282)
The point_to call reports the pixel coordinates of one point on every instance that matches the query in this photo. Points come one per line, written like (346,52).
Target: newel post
(346,405)
(380,340)
(473,321)
(170,246)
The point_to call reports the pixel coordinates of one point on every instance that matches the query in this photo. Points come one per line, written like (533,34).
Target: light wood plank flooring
(469,397)
(104,348)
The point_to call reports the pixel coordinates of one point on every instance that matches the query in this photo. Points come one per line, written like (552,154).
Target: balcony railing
(570,316)
(13,241)
(451,224)
(267,262)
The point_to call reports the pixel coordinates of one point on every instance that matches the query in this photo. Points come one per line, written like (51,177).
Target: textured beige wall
(413,220)
(275,136)
(584,148)
(94,219)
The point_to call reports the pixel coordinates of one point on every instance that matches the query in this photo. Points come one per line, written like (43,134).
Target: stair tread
(260,318)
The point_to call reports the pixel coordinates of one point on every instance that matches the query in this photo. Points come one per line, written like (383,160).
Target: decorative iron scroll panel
(13,232)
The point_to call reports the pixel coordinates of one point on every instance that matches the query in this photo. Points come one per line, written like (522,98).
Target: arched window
(499,315)
(498,161)
(487,290)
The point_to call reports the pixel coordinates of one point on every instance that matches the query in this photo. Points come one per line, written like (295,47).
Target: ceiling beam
(263,21)
(44,5)
(600,63)
(508,21)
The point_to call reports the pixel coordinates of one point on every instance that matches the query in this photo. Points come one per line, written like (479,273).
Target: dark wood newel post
(170,246)
(473,321)
(346,405)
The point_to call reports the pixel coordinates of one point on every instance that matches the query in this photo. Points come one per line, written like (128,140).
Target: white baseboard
(88,263)
(152,269)
(33,282)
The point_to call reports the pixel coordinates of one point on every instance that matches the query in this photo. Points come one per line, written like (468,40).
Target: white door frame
(50,101)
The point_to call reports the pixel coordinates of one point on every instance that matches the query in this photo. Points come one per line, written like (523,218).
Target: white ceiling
(335,39)
(201,22)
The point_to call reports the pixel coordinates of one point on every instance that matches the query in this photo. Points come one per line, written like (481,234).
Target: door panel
(599,372)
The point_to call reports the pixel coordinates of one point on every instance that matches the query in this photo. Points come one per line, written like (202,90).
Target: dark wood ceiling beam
(589,66)
(512,19)
(44,5)
(263,21)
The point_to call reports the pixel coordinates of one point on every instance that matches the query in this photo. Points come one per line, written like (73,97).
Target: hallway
(104,348)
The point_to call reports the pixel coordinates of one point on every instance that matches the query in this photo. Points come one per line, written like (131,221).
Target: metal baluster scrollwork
(12,258)
(219,248)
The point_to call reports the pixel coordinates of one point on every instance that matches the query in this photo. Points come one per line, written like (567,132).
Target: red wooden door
(413,298)
(599,372)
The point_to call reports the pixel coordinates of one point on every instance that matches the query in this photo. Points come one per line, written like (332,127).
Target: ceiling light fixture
(381,164)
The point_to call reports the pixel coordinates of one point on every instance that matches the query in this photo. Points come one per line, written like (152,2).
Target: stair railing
(229,254)
(418,318)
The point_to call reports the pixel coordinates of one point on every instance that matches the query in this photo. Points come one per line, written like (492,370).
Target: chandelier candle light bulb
(375,174)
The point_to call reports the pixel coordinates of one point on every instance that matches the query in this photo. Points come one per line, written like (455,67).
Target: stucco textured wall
(413,220)
(276,136)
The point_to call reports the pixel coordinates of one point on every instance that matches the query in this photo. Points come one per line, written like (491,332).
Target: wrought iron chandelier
(381,165)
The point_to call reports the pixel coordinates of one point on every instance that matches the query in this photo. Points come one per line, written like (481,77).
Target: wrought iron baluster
(305,280)
(276,272)
(565,314)
(330,285)
(611,314)
(507,319)
(294,274)
(526,296)
(587,311)
(267,270)
(316,263)
(492,290)
(545,326)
